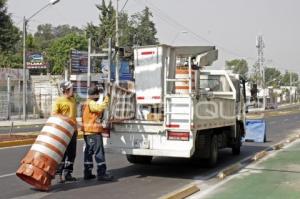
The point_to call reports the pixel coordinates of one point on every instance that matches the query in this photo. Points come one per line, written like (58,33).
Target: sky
(230,25)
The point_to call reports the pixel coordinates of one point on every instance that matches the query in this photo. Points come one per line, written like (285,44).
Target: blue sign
(79,62)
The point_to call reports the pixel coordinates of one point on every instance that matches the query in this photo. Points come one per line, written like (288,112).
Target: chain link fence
(39,99)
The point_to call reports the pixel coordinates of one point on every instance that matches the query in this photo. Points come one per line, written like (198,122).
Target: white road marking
(12,147)
(33,196)
(7,175)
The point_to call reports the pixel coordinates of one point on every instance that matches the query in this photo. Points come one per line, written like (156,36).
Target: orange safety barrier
(39,165)
(182,87)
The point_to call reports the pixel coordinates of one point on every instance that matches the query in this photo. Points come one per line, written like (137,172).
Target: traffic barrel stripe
(46,151)
(53,142)
(66,123)
(57,138)
(62,129)
(56,132)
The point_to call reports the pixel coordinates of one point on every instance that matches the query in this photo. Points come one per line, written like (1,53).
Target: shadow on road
(177,168)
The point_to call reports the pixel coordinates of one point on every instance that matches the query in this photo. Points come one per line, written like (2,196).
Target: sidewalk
(29,122)
(276,177)
(282,106)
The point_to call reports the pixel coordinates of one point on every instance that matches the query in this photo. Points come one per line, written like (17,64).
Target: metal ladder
(168,98)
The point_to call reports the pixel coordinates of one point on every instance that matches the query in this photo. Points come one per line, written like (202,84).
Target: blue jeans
(67,164)
(94,147)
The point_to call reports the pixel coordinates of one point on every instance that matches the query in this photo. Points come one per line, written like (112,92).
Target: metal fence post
(8,98)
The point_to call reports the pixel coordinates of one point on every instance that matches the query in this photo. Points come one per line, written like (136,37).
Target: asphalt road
(135,181)
(22,129)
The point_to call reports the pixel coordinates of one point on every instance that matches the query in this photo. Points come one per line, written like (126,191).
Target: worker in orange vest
(92,128)
(66,105)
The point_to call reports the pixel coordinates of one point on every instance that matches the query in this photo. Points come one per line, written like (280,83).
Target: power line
(160,12)
(124,6)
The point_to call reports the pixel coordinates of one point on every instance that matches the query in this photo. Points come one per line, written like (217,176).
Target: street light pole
(291,88)
(25,21)
(117,44)
(24,68)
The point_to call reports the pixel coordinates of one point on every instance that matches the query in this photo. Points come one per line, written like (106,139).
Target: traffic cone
(38,167)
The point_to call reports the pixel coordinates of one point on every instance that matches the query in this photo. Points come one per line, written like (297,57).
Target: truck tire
(236,146)
(213,154)
(138,159)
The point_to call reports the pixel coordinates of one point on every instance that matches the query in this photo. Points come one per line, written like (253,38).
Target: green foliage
(10,60)
(44,36)
(272,77)
(107,26)
(9,38)
(238,66)
(145,31)
(137,29)
(58,53)
(288,78)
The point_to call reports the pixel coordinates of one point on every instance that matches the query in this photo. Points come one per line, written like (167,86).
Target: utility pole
(260,45)
(24,68)
(89,64)
(117,44)
(8,98)
(291,82)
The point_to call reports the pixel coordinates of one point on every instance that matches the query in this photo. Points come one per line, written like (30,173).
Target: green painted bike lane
(277,177)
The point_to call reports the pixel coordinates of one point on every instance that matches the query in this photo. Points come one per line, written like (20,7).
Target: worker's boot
(88,175)
(70,178)
(105,177)
(60,179)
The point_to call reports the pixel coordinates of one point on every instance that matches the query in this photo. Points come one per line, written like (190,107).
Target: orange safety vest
(91,122)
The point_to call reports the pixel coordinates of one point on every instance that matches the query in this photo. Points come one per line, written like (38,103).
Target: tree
(9,38)
(58,53)
(137,29)
(44,36)
(63,30)
(145,31)
(126,30)
(272,77)
(239,66)
(9,33)
(286,79)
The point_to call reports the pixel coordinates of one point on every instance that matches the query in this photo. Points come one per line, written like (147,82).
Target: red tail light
(182,136)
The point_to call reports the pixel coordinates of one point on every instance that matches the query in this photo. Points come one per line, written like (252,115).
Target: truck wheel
(138,159)
(236,147)
(213,154)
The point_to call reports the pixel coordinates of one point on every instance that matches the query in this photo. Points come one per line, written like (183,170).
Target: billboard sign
(79,62)
(35,61)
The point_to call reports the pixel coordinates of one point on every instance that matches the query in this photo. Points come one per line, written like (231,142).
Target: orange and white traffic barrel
(182,87)
(39,166)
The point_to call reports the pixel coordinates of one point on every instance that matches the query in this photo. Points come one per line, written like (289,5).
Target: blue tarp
(255,131)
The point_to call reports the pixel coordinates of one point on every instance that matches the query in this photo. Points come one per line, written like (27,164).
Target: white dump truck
(181,109)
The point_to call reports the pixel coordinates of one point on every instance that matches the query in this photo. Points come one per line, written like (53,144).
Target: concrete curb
(182,192)
(30,141)
(16,143)
(229,171)
(259,155)
(236,167)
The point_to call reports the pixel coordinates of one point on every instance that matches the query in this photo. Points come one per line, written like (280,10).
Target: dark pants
(94,146)
(67,163)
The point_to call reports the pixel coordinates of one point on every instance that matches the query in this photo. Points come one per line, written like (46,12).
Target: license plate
(141,144)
